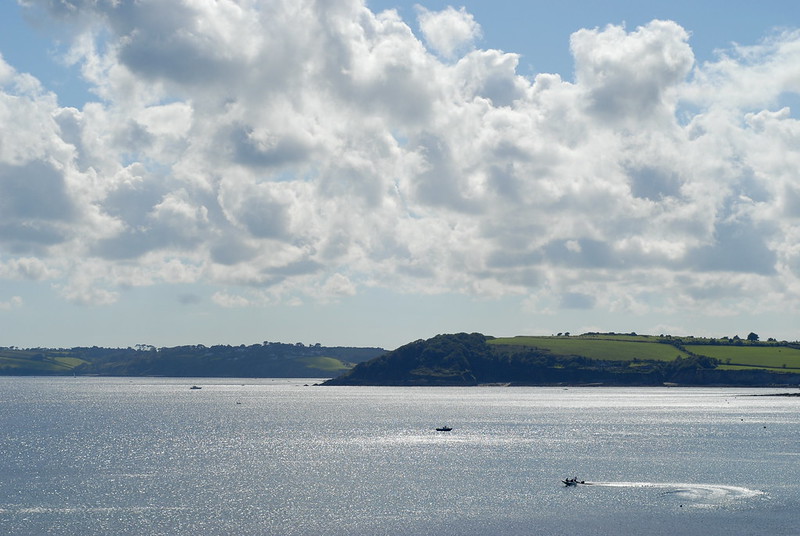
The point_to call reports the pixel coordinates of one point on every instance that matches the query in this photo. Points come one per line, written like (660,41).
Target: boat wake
(696,494)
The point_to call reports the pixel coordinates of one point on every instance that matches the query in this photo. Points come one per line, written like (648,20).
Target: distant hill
(591,358)
(267,360)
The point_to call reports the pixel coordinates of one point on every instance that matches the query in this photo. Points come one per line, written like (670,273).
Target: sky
(371,173)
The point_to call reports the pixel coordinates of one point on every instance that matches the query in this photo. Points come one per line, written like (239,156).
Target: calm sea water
(92,456)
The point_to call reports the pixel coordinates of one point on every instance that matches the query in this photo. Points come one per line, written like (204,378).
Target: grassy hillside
(769,357)
(730,354)
(37,362)
(327,364)
(615,348)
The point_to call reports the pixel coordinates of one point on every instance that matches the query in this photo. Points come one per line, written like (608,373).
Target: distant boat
(444,429)
(572,481)
(195,387)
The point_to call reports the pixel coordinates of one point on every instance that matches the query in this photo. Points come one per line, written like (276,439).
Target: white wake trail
(700,493)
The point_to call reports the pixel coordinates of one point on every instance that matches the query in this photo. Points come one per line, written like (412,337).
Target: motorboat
(572,481)
(444,429)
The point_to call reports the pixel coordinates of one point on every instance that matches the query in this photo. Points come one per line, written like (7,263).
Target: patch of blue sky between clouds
(33,50)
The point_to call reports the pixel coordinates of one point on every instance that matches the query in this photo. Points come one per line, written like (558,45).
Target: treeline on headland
(592,358)
(267,360)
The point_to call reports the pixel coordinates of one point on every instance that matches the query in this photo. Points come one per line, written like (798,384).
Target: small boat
(444,429)
(195,387)
(573,481)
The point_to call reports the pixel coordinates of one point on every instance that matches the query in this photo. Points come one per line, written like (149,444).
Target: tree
(752,337)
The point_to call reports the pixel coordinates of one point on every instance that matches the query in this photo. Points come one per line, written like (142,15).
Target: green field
(751,356)
(328,364)
(36,361)
(45,365)
(606,348)
(643,347)
(70,362)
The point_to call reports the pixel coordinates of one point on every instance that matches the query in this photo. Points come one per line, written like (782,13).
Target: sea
(151,456)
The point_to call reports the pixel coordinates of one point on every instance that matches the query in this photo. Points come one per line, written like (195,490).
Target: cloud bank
(284,151)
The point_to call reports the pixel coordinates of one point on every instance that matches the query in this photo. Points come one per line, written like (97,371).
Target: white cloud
(13,303)
(449,31)
(27,268)
(83,292)
(225,299)
(271,146)
(750,77)
(632,75)
(6,71)
(338,286)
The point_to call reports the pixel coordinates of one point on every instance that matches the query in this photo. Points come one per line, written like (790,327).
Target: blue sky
(185,172)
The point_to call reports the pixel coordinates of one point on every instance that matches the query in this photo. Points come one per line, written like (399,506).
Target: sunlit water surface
(143,456)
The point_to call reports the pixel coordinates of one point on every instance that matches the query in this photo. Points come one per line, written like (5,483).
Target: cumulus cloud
(632,75)
(449,31)
(282,151)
